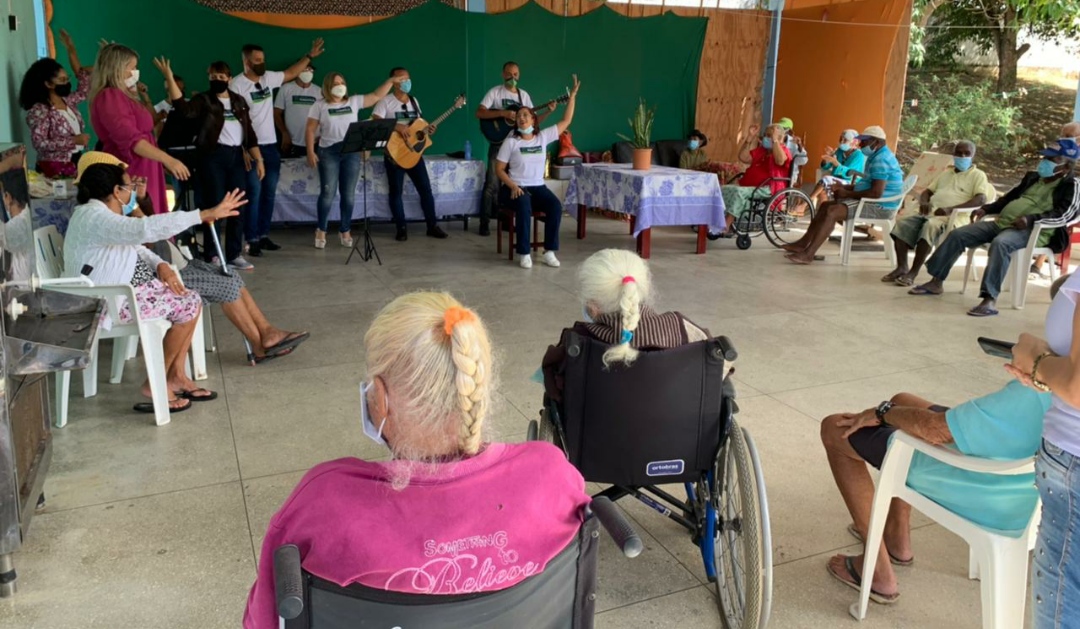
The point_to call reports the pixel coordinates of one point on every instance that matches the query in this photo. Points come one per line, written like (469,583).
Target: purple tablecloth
(655,197)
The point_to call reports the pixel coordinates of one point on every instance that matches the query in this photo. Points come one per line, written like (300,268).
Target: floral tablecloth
(457,185)
(52,211)
(655,197)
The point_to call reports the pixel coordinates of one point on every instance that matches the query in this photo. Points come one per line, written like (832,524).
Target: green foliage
(956,107)
(641,124)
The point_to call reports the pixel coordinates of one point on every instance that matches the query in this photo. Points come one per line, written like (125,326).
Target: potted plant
(641,124)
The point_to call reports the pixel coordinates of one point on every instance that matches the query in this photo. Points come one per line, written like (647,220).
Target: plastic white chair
(886,224)
(1017,277)
(1000,561)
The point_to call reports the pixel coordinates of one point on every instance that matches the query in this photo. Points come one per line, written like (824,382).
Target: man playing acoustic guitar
(401,106)
(501,104)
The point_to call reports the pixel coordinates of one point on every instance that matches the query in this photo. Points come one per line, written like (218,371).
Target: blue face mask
(370,430)
(694,145)
(767,143)
(1047,168)
(132,203)
(526,130)
(845,146)
(867,150)
(961,163)
(406,86)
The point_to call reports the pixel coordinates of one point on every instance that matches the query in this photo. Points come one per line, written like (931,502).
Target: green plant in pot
(641,125)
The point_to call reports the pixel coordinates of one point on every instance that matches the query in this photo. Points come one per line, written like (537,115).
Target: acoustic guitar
(496,129)
(406,151)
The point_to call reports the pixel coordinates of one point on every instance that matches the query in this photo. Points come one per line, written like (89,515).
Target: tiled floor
(160,527)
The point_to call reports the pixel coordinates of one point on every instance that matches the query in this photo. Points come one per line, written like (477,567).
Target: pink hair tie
(628,279)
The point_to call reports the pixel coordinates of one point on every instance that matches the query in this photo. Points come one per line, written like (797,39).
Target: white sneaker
(550,259)
(525,260)
(241,264)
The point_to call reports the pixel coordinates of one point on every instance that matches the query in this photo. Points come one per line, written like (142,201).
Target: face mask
(526,130)
(129,207)
(306,76)
(767,143)
(585,314)
(694,145)
(258,68)
(845,146)
(132,80)
(867,150)
(511,83)
(406,86)
(370,430)
(961,163)
(1047,168)
(217,87)
(63,90)
(339,91)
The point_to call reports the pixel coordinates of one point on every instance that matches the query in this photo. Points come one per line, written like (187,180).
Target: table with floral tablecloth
(656,197)
(52,211)
(456,184)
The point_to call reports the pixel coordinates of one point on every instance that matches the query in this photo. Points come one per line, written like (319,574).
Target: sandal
(892,277)
(856,582)
(148,407)
(923,290)
(262,359)
(190,395)
(903,563)
(904,280)
(982,311)
(290,342)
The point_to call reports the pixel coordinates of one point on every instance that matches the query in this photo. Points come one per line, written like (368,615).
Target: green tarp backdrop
(447,51)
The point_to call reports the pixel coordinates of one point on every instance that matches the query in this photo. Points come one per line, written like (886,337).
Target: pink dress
(120,122)
(482,524)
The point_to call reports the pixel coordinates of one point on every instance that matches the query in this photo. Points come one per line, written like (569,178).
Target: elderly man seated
(769,159)
(883,179)
(1006,424)
(962,186)
(838,166)
(1044,195)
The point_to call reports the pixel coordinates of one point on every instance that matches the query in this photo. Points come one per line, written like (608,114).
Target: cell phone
(994,347)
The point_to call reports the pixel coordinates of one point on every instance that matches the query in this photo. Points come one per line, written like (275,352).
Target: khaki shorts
(911,229)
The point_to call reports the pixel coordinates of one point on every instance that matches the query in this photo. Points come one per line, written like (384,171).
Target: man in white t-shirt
(257,86)
(501,101)
(291,107)
(401,106)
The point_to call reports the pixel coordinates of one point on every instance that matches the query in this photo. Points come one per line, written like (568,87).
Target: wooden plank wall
(732,64)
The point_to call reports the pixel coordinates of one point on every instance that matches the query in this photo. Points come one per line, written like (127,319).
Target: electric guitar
(406,151)
(496,129)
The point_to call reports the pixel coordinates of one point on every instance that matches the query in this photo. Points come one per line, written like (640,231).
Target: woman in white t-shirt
(520,167)
(329,120)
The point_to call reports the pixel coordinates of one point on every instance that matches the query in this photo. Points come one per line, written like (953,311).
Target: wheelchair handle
(725,348)
(617,526)
(288,582)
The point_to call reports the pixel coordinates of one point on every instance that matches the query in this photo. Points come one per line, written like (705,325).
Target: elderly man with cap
(883,178)
(962,186)
(1046,195)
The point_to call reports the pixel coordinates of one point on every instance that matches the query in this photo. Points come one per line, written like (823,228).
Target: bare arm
(483,113)
(302,64)
(73,55)
(924,423)
(309,135)
(500,172)
(1060,373)
(877,189)
(380,92)
(279,123)
(568,113)
(744,151)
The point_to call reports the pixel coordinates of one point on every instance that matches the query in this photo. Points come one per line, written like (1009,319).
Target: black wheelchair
(783,216)
(670,418)
(562,596)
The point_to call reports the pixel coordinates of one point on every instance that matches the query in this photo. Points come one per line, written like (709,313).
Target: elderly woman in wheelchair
(450,513)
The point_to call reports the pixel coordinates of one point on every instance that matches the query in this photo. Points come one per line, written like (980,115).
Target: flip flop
(904,280)
(262,359)
(148,407)
(189,395)
(288,343)
(856,583)
(982,311)
(922,290)
(891,277)
(854,532)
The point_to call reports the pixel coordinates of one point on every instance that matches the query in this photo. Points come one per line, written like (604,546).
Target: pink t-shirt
(482,524)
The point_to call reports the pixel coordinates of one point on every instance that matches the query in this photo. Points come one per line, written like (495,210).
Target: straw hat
(90,158)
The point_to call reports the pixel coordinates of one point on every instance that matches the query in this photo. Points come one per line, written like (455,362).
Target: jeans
(1055,570)
(491,186)
(220,171)
(1003,242)
(261,194)
(337,173)
(419,175)
(542,200)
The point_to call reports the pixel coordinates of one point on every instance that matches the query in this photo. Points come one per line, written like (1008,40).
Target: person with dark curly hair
(56,126)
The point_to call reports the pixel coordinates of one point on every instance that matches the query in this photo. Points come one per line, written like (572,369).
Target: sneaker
(550,259)
(241,264)
(525,260)
(346,239)
(402,234)
(436,232)
(268,245)
(254,250)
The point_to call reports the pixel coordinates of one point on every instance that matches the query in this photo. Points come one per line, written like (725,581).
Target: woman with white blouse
(329,120)
(520,167)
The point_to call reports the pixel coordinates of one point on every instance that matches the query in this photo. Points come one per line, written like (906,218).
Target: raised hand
(65,39)
(753,130)
(576,87)
(164,65)
(316,48)
(226,208)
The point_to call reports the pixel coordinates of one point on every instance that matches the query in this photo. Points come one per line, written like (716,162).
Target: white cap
(874,132)
(849,134)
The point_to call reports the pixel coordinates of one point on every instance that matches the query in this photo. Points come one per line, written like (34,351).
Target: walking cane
(225,271)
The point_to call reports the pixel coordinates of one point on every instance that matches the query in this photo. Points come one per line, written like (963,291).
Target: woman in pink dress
(125,126)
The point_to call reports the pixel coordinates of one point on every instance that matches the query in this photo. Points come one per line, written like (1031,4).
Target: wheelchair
(562,596)
(670,418)
(774,214)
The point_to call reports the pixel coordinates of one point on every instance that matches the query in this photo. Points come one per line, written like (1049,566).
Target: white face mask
(339,91)
(370,430)
(306,76)
(132,80)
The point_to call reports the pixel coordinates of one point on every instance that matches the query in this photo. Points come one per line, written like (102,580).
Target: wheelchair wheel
(743,580)
(743,241)
(783,225)
(546,431)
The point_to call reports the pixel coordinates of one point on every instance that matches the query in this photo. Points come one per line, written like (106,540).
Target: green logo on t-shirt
(229,115)
(531,150)
(301,99)
(340,111)
(258,96)
(406,115)
(509,103)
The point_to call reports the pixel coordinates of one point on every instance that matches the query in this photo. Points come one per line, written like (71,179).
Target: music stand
(364,136)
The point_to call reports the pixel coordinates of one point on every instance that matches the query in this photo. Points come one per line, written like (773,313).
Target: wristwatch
(1035,382)
(881,410)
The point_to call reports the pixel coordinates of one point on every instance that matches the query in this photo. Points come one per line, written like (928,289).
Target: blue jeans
(262,194)
(542,200)
(419,175)
(337,173)
(1055,570)
(1003,242)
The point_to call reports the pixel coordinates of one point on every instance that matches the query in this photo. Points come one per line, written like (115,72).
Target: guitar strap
(416,107)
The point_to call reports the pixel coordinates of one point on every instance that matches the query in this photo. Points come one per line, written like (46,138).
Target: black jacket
(1064,211)
(209,113)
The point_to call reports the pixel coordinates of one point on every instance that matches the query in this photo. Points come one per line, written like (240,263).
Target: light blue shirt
(882,165)
(855,161)
(1004,425)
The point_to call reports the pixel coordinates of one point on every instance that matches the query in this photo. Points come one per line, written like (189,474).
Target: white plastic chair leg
(121,350)
(63,390)
(153,336)
(973,564)
(845,241)
(90,373)
(1004,586)
(198,349)
(208,327)
(133,350)
(969,270)
(890,250)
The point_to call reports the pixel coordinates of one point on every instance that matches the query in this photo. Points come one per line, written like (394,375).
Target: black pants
(220,171)
(491,186)
(419,175)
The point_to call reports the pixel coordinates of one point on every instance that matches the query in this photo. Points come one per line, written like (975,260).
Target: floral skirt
(157,301)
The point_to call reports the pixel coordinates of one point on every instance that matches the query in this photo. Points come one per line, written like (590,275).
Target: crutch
(225,271)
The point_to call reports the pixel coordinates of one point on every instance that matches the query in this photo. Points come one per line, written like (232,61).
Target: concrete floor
(161,527)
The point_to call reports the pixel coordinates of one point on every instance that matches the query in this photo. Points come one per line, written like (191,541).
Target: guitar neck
(444,116)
